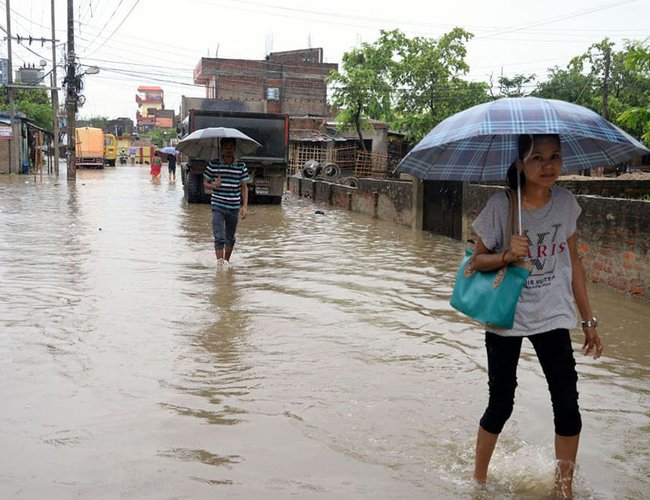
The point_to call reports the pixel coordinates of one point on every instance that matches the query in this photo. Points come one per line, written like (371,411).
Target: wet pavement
(325,363)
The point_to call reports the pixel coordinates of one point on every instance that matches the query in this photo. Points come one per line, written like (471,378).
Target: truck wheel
(194,188)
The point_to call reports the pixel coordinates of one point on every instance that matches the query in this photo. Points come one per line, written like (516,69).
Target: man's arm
(244,199)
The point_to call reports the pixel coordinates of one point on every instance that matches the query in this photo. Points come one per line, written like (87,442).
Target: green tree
(362,90)
(34,103)
(513,87)
(160,136)
(410,83)
(428,77)
(98,122)
(638,117)
(603,80)
(568,84)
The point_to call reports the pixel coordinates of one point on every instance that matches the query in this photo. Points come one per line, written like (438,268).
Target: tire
(310,169)
(331,172)
(350,181)
(194,189)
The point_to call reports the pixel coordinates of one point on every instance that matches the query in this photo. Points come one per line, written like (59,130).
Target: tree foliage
(513,87)
(638,117)
(410,83)
(363,90)
(414,83)
(34,103)
(160,136)
(603,75)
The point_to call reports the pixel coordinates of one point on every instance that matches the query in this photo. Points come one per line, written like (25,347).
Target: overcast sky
(159,42)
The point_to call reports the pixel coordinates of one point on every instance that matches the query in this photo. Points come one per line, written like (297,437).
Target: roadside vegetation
(34,103)
(414,83)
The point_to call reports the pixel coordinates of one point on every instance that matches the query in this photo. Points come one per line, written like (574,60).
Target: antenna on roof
(268,43)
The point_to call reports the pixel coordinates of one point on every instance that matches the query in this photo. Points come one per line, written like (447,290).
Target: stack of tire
(329,172)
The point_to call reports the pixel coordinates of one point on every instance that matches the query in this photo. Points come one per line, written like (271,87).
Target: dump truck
(89,147)
(267,167)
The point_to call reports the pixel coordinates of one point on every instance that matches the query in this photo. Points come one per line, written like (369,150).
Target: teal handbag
(491,297)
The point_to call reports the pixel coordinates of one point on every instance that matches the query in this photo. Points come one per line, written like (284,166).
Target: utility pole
(14,151)
(608,58)
(71,97)
(55,97)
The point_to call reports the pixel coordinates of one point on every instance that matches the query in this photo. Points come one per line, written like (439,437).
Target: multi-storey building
(292,82)
(151,102)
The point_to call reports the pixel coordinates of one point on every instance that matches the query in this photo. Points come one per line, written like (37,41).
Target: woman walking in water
(546,308)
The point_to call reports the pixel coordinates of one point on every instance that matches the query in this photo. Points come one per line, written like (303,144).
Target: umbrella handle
(519,201)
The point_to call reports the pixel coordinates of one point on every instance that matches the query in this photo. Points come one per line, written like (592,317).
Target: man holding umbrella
(227,180)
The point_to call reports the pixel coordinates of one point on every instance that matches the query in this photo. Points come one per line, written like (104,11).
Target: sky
(159,42)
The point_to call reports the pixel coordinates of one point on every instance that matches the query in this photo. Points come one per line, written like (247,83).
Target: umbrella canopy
(203,144)
(480,143)
(168,150)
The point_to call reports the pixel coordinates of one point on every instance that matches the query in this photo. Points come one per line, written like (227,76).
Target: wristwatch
(590,323)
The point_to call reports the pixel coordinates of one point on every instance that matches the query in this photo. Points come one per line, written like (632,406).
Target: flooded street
(326,363)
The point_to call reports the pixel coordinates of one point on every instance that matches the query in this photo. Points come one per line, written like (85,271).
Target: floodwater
(326,363)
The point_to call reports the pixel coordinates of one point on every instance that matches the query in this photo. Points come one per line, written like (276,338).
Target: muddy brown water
(326,363)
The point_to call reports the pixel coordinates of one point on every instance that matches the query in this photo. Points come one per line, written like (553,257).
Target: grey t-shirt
(546,302)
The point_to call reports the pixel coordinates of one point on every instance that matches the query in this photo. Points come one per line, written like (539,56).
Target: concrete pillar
(417,202)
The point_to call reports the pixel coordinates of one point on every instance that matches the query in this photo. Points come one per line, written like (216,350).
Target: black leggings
(556,357)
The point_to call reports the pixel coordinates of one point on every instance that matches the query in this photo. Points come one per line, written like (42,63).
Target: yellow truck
(89,147)
(110,149)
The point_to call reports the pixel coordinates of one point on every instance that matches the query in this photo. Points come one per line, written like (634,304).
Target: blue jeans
(224,226)
(556,357)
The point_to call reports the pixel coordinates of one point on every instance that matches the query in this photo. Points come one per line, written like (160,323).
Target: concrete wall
(609,187)
(385,200)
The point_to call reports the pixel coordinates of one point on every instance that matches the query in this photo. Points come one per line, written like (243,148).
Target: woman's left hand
(592,342)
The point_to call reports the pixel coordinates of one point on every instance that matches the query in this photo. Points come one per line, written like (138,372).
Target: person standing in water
(171,167)
(227,180)
(546,308)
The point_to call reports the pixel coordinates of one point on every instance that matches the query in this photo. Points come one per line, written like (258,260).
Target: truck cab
(267,167)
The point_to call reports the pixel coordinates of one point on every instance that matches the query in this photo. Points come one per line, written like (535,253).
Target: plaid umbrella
(203,144)
(480,143)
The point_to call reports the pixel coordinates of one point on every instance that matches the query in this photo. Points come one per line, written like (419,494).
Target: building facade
(292,82)
(151,109)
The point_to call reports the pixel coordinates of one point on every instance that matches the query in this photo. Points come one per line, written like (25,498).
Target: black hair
(225,140)
(524,144)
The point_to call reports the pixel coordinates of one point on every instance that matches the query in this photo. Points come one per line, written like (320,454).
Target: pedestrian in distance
(226,179)
(171,166)
(156,166)
(547,306)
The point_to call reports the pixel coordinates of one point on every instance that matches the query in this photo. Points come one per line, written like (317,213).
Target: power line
(117,28)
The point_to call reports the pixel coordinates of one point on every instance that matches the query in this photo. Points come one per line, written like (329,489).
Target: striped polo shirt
(228,195)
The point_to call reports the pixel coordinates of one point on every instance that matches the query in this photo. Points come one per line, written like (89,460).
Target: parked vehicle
(267,167)
(110,149)
(89,147)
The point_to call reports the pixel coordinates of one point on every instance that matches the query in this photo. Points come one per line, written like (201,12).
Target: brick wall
(300,76)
